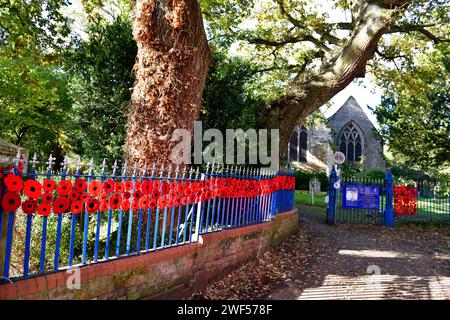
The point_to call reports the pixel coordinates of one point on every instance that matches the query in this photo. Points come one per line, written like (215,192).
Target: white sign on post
(339,157)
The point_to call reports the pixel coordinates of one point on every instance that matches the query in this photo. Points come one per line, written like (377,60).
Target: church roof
(350,102)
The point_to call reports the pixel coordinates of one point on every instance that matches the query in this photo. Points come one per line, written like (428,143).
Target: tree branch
(279,43)
(418,28)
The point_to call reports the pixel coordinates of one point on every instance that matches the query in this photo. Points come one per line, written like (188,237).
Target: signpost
(339,157)
(361,196)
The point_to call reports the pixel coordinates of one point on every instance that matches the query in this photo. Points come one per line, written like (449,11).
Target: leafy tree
(32,27)
(310,50)
(415,112)
(228,98)
(33,105)
(317,49)
(101,82)
(33,95)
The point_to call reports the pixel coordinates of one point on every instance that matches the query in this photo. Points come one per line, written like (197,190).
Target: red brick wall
(169,273)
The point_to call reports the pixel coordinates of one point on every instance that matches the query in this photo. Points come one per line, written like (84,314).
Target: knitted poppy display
(95,188)
(80,185)
(405,200)
(32,189)
(48,185)
(47,197)
(13,183)
(144,202)
(156,185)
(64,187)
(60,205)
(108,186)
(147,187)
(134,205)
(181,188)
(92,205)
(84,197)
(103,205)
(162,202)
(74,195)
(127,195)
(76,207)
(156,194)
(126,204)
(165,188)
(137,195)
(29,206)
(44,209)
(152,204)
(176,201)
(137,186)
(128,185)
(120,187)
(115,201)
(11,201)
(103,196)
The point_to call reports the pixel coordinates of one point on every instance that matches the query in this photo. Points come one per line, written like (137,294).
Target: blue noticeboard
(360,197)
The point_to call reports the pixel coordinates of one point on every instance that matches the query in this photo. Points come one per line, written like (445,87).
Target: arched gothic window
(298,145)
(351,143)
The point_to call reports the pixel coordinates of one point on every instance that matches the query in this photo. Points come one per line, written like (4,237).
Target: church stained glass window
(350,143)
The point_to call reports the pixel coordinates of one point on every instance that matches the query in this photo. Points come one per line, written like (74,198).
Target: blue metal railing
(180,206)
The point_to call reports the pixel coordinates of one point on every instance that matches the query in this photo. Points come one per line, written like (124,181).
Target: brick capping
(166,273)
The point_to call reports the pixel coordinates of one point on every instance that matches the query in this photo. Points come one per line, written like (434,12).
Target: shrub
(374,174)
(302,179)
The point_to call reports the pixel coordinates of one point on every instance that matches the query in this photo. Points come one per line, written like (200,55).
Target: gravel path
(345,262)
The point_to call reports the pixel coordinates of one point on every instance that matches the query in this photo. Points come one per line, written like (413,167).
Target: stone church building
(348,130)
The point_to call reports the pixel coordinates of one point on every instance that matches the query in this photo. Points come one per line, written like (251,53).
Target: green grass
(303,197)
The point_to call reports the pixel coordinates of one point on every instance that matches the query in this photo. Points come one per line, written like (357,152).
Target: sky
(366,94)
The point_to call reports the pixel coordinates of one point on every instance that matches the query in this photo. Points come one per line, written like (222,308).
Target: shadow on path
(369,262)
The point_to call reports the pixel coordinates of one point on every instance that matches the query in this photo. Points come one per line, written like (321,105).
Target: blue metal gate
(380,211)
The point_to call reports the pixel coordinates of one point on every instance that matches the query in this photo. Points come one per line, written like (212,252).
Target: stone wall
(8,153)
(171,273)
(351,111)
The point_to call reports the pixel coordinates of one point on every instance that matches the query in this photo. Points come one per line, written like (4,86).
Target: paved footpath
(371,262)
(320,261)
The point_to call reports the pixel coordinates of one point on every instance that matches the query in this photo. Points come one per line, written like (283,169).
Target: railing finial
(65,163)
(17,158)
(124,168)
(103,165)
(50,162)
(162,170)
(144,169)
(34,161)
(114,167)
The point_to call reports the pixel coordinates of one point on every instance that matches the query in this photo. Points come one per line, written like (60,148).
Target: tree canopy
(415,112)
(280,59)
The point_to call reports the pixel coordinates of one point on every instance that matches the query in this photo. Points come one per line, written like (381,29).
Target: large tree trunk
(312,90)
(171,68)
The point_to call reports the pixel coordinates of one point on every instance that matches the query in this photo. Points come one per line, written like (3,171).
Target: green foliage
(228,102)
(33,104)
(32,27)
(302,179)
(303,197)
(348,171)
(374,174)
(100,84)
(415,113)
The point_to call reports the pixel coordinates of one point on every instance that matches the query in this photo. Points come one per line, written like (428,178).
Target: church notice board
(360,196)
